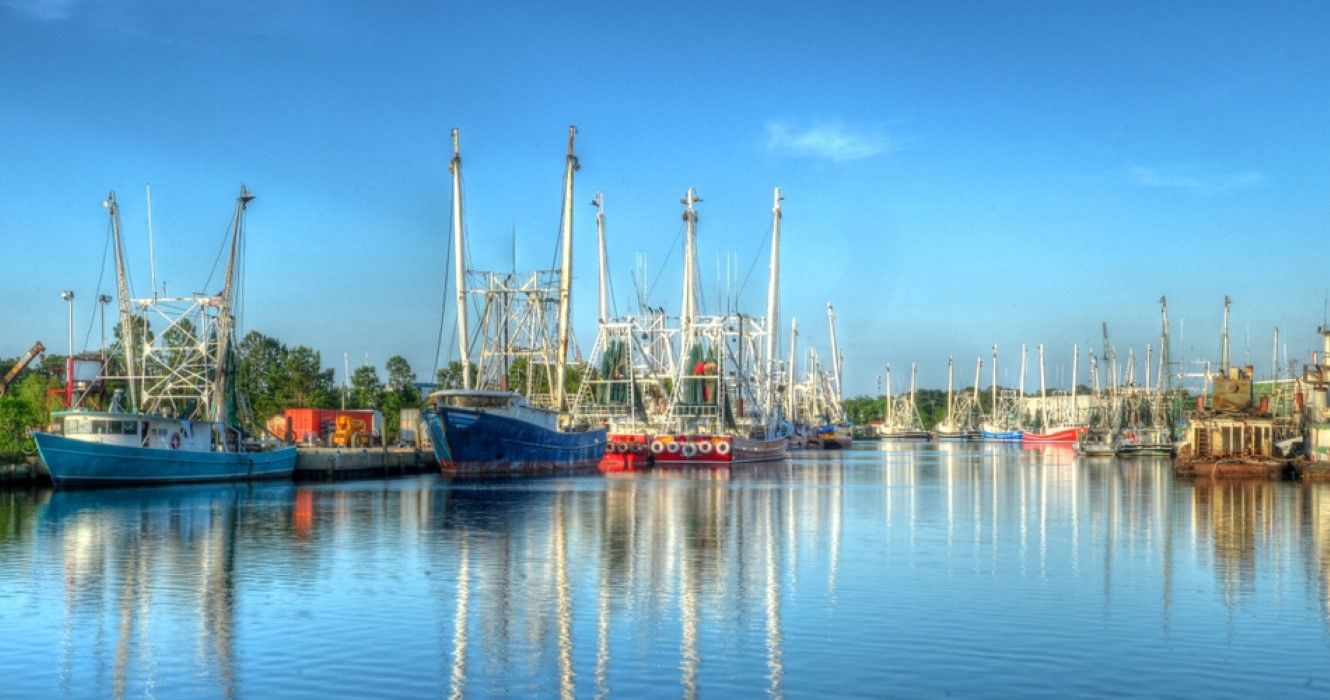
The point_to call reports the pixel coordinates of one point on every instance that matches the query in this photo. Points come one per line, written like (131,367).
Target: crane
(36,349)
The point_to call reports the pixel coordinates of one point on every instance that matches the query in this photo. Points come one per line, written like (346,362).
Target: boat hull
(688,450)
(908,436)
(475,443)
(1002,435)
(1233,467)
(1068,435)
(79,463)
(626,452)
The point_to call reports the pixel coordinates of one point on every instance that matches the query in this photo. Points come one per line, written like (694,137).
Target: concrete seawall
(332,463)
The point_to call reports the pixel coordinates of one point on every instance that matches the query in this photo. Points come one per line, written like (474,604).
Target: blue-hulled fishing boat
(490,430)
(493,433)
(188,429)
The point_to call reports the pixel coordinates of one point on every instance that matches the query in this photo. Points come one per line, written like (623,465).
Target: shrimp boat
(624,388)
(902,421)
(182,423)
(1003,424)
(491,429)
(838,432)
(723,408)
(1051,433)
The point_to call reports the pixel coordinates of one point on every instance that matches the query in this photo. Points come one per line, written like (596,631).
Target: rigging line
(675,244)
(101,275)
(751,268)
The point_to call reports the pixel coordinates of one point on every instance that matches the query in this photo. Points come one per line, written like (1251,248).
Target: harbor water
(884,570)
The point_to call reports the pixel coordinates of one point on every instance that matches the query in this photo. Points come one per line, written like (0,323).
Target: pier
(336,463)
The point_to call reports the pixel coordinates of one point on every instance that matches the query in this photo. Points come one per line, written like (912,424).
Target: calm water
(976,571)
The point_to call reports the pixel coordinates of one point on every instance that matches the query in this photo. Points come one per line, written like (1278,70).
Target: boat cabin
(499,403)
(136,430)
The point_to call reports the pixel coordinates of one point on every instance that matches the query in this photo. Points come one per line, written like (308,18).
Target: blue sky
(956,174)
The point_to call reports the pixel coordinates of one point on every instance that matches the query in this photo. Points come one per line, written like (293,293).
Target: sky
(956,174)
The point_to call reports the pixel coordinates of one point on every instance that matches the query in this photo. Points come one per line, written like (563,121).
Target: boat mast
(565,272)
(689,310)
(599,203)
(889,412)
(1075,373)
(976,412)
(1223,341)
(790,371)
(914,376)
(994,407)
(773,301)
(1043,395)
(1165,368)
(951,417)
(1149,360)
(835,361)
(225,316)
(459,260)
(122,290)
(1025,351)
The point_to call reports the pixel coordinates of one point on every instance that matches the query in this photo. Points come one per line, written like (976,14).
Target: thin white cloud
(1185,180)
(44,10)
(830,140)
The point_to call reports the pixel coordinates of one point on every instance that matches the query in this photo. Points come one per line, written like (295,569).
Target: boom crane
(36,349)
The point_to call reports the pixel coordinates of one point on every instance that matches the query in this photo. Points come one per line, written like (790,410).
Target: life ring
(638,448)
(175,441)
(619,447)
(722,448)
(672,448)
(688,450)
(704,447)
(657,447)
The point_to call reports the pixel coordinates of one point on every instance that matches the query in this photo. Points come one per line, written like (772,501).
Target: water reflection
(1016,562)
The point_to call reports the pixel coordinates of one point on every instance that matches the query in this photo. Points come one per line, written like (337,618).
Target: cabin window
(477,401)
(130,427)
(99,427)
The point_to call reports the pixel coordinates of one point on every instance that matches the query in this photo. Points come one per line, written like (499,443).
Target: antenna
(152,253)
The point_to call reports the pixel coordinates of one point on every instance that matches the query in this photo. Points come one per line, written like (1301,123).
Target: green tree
(22,408)
(400,374)
(366,388)
(450,377)
(276,378)
(402,392)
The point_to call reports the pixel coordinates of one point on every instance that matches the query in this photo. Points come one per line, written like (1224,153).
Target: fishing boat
(901,421)
(837,433)
(1066,431)
(1235,435)
(1150,416)
(182,420)
(1002,423)
(490,429)
(951,428)
(624,387)
(723,409)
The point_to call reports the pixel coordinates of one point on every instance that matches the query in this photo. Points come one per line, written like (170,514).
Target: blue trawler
(188,429)
(489,430)
(97,448)
(494,433)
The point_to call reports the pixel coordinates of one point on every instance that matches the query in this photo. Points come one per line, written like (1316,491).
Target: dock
(23,473)
(334,463)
